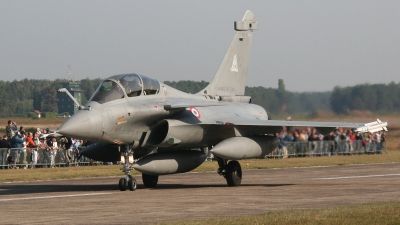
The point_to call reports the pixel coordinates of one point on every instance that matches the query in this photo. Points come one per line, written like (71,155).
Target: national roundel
(195,112)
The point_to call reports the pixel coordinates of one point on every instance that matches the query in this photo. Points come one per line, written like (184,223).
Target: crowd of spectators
(340,141)
(36,149)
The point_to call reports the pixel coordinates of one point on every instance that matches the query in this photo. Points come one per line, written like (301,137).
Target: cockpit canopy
(125,85)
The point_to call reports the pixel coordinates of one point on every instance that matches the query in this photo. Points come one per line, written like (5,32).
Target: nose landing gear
(128,182)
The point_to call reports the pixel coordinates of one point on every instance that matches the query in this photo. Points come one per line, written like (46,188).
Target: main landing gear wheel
(149,181)
(233,173)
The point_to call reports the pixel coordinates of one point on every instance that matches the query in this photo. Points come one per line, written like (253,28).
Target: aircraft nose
(82,126)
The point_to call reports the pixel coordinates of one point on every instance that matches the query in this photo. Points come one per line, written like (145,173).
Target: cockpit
(125,85)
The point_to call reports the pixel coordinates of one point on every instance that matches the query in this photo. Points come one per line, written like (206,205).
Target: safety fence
(36,157)
(28,158)
(327,148)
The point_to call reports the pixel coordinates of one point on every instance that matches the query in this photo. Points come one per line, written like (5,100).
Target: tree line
(19,98)
(381,98)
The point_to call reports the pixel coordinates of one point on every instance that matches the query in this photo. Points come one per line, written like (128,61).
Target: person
(37,141)
(343,144)
(5,148)
(303,145)
(329,142)
(32,149)
(23,154)
(377,140)
(45,149)
(64,150)
(11,128)
(38,131)
(287,142)
(16,143)
(383,141)
(358,143)
(36,138)
(116,93)
(312,138)
(347,142)
(296,136)
(75,145)
(52,144)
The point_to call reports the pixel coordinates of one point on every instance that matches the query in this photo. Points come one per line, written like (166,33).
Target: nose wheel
(128,182)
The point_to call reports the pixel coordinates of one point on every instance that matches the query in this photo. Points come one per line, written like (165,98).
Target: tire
(132,184)
(122,184)
(149,181)
(233,173)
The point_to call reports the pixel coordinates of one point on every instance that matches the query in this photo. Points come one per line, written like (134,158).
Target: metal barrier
(326,148)
(25,158)
(29,158)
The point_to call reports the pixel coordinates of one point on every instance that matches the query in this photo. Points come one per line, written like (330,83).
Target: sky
(311,45)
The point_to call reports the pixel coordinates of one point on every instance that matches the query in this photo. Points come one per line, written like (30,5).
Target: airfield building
(65,103)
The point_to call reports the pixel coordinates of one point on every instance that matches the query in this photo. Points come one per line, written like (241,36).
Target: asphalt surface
(196,195)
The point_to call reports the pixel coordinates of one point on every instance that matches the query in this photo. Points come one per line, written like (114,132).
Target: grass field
(375,213)
(27,122)
(31,124)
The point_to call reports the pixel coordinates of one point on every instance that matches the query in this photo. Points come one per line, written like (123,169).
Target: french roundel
(195,112)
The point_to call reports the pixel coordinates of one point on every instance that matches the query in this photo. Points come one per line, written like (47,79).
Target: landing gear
(149,181)
(132,184)
(122,184)
(231,171)
(127,182)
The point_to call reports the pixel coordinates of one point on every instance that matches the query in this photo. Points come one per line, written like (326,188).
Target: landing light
(130,158)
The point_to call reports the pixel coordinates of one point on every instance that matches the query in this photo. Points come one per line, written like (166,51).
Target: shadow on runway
(17,189)
(189,186)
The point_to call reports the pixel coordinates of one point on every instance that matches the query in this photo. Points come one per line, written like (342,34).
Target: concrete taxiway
(196,195)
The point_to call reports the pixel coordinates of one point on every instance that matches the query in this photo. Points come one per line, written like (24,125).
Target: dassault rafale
(158,130)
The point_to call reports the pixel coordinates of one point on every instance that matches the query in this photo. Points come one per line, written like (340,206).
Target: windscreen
(108,91)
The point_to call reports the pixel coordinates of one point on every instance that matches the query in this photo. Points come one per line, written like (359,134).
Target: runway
(196,195)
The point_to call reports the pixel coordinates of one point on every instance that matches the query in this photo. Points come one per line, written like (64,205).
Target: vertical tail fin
(232,73)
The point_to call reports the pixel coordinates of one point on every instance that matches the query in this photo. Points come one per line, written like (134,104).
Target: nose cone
(82,125)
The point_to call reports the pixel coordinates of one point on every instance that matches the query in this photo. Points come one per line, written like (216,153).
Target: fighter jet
(158,130)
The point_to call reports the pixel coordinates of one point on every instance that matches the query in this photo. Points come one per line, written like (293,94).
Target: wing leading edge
(255,126)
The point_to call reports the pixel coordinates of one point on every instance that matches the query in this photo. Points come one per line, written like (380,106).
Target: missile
(170,162)
(236,148)
(373,127)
